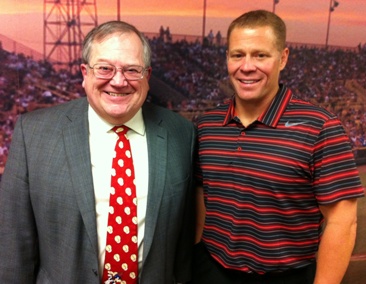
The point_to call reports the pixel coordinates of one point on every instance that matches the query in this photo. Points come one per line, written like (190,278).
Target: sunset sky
(22,20)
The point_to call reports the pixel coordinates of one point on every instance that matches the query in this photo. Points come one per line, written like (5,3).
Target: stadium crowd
(333,78)
(26,85)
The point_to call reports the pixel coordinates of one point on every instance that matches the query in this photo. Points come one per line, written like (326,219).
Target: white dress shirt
(102,142)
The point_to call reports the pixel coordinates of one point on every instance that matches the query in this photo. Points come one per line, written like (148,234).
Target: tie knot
(120,130)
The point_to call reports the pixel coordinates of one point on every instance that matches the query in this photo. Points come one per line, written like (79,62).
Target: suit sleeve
(18,235)
(183,263)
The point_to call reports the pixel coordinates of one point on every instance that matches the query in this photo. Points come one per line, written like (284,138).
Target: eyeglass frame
(115,69)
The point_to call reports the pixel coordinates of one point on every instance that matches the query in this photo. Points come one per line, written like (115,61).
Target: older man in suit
(54,196)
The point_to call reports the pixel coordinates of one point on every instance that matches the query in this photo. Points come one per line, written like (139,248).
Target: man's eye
(236,55)
(105,68)
(132,70)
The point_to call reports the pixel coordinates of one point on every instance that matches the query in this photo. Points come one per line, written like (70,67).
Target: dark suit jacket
(47,209)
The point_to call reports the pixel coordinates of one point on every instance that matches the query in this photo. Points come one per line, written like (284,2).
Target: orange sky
(306,19)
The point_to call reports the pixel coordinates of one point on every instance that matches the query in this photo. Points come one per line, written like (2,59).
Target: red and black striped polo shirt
(263,183)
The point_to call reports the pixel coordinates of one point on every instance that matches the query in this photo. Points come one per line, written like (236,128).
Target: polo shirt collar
(272,115)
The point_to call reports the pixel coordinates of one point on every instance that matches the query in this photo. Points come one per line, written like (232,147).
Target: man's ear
(84,72)
(84,69)
(284,58)
(148,73)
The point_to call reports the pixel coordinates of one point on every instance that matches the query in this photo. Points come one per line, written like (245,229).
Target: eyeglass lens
(105,71)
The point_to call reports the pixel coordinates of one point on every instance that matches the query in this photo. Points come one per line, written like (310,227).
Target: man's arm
(337,242)
(18,237)
(200,213)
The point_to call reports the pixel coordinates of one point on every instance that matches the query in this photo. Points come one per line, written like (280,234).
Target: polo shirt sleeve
(335,175)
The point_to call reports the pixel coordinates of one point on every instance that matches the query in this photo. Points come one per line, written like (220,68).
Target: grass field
(356,273)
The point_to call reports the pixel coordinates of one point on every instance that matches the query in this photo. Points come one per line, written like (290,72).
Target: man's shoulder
(217,113)
(76,105)
(55,115)
(307,107)
(80,102)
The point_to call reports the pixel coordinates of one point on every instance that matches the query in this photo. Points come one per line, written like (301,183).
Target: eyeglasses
(107,71)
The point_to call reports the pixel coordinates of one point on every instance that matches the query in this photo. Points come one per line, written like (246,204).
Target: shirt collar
(269,117)
(99,125)
(277,107)
(230,114)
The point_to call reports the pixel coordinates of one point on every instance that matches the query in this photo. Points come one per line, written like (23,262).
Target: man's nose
(119,78)
(248,63)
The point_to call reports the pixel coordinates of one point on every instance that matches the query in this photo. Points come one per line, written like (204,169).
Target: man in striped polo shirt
(277,202)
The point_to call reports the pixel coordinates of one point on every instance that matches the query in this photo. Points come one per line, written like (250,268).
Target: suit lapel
(76,139)
(157,151)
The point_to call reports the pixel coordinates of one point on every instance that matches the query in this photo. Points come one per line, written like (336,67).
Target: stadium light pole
(204,21)
(332,5)
(275,2)
(118,10)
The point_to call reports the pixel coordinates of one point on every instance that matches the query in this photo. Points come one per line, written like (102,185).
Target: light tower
(275,2)
(204,20)
(332,5)
(66,23)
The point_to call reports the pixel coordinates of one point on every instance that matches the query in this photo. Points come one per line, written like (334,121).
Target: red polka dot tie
(121,262)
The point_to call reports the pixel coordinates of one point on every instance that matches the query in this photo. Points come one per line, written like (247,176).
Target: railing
(198,39)
(13,46)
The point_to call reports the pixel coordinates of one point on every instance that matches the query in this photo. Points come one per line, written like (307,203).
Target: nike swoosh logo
(289,124)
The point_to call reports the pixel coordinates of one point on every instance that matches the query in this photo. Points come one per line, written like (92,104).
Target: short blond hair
(261,18)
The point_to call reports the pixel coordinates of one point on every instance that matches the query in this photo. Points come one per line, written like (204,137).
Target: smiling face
(116,100)
(254,64)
